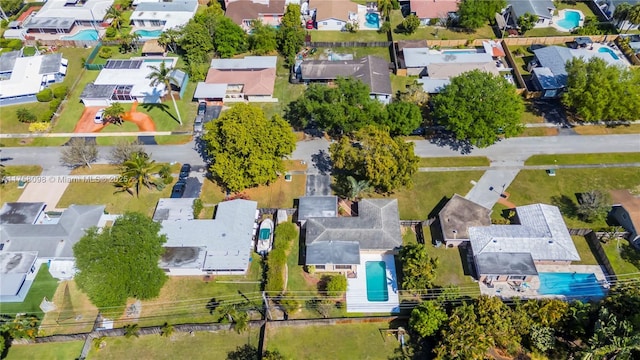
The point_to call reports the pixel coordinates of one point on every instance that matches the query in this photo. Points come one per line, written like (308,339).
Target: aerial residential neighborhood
(320,179)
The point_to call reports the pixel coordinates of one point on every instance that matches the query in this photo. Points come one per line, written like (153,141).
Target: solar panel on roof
(123,64)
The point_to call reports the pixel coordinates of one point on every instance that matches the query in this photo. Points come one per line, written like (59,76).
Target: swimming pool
(376,273)
(149,34)
(372,21)
(570,284)
(571,20)
(605,49)
(83,35)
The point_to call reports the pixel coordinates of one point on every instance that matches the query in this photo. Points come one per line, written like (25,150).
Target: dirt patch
(505,201)
(310,279)
(86,123)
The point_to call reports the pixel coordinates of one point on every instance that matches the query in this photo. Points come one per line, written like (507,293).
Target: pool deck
(357,288)
(76,30)
(508,290)
(560,16)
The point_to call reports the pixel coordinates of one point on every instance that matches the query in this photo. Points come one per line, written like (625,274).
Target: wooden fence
(516,71)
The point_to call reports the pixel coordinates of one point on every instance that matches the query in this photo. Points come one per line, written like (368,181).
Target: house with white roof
(127,81)
(30,237)
(21,78)
(60,16)
(249,79)
(219,246)
(512,252)
(162,15)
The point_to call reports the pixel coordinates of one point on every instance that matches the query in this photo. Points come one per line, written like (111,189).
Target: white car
(98,118)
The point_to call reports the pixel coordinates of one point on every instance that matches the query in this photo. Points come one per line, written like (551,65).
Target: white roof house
(126,81)
(217,246)
(64,14)
(165,15)
(22,77)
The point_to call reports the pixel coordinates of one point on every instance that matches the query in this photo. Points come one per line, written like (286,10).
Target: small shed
(153,48)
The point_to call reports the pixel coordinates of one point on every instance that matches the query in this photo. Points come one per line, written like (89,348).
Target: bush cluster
(105,52)
(60,92)
(285,234)
(45,95)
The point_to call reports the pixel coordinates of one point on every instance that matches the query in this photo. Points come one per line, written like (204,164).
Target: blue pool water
(83,35)
(372,21)
(605,49)
(149,34)
(376,273)
(570,284)
(571,20)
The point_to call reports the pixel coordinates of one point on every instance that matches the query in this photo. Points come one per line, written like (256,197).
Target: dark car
(184,171)
(178,189)
(198,124)
(202,108)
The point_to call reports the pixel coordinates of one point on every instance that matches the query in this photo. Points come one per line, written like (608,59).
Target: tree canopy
(418,268)
(121,262)
(479,107)
(473,14)
(79,152)
(427,318)
(373,155)
(246,148)
(597,91)
(290,35)
(402,117)
(262,39)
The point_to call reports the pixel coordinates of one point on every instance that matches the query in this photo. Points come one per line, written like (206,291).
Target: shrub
(54,104)
(336,285)
(276,261)
(111,33)
(410,24)
(105,52)
(45,95)
(285,233)
(14,44)
(45,116)
(60,92)
(197,208)
(385,27)
(25,115)
(38,127)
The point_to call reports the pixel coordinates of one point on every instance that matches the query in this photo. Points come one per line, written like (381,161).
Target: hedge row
(285,234)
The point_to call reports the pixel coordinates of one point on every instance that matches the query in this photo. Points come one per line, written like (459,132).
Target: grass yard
(74,314)
(609,158)
(116,203)
(584,250)
(429,189)
(433,33)
(539,131)
(43,286)
(96,169)
(295,272)
(582,6)
(521,56)
(9,192)
(454,161)
(357,52)
(49,351)
(535,186)
(279,194)
(621,257)
(545,32)
(200,345)
(9,119)
(349,341)
(453,270)
(283,90)
(400,83)
(604,129)
(530,115)
(345,36)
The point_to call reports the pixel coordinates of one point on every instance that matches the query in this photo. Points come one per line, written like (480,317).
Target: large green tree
(473,14)
(290,33)
(262,39)
(463,338)
(597,91)
(10,7)
(196,42)
(121,261)
(403,117)
(479,107)
(342,109)
(418,268)
(373,155)
(427,318)
(229,39)
(246,148)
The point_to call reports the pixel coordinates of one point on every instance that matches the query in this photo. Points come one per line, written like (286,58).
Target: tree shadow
(630,255)
(212,305)
(322,284)
(447,139)
(567,206)
(466,260)
(322,161)
(160,106)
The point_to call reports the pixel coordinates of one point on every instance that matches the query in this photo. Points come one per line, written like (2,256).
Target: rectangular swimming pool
(574,285)
(376,273)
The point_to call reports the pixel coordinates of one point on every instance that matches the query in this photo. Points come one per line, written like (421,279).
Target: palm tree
(169,38)
(621,13)
(131,330)
(634,16)
(116,17)
(162,75)
(356,187)
(113,114)
(166,330)
(385,7)
(124,184)
(139,170)
(612,339)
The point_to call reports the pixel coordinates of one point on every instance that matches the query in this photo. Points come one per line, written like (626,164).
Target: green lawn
(433,33)
(400,83)
(452,270)
(546,32)
(609,158)
(357,52)
(295,278)
(344,36)
(530,115)
(283,90)
(535,186)
(429,189)
(9,192)
(582,6)
(200,345)
(349,341)
(584,249)
(49,351)
(454,161)
(624,259)
(43,286)
(9,119)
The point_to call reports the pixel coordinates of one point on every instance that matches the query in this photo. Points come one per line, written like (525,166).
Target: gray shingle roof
(52,240)
(555,58)
(51,64)
(534,7)
(14,267)
(317,207)
(50,23)
(93,91)
(505,264)
(7,60)
(541,232)
(377,226)
(371,70)
(21,212)
(174,209)
(333,252)
(459,214)
(546,78)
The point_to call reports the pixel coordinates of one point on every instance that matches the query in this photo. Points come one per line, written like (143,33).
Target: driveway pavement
(49,191)
(494,182)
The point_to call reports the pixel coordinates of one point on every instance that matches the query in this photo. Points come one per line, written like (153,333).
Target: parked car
(98,119)
(198,124)
(178,189)
(184,171)
(202,108)
(309,24)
